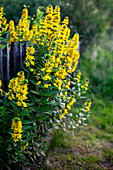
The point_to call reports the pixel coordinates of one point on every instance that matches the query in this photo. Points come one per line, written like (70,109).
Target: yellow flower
(19,103)
(0,83)
(65,111)
(64,96)
(68,107)
(46,85)
(82,86)
(39,82)
(29,60)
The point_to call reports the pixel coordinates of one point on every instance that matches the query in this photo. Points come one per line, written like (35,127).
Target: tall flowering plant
(42,100)
(50,69)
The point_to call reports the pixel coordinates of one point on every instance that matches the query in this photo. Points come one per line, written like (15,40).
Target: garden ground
(90,148)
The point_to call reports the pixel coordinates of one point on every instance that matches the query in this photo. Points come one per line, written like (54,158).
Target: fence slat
(6,65)
(1,66)
(19,57)
(24,50)
(13,60)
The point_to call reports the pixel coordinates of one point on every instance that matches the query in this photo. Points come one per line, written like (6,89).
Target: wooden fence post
(6,65)
(19,57)
(24,50)
(13,60)
(1,66)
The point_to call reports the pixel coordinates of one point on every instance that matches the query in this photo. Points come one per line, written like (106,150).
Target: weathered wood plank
(13,60)
(1,66)
(19,57)
(24,50)
(6,66)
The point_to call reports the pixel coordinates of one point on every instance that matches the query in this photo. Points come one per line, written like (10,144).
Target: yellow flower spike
(66,21)
(18,88)
(57,9)
(50,9)
(17,129)
(29,60)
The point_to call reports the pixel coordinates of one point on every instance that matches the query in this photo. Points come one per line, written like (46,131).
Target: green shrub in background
(42,100)
(89,18)
(98,66)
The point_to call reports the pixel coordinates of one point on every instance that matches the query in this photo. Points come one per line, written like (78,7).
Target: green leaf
(48,113)
(5,55)
(27,122)
(3,46)
(42,118)
(43,108)
(9,148)
(34,92)
(32,81)
(34,99)
(50,93)
(25,127)
(25,69)
(52,103)
(30,104)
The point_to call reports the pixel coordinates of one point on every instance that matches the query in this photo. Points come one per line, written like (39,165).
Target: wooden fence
(11,61)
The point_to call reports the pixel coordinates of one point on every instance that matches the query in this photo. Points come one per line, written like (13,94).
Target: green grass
(90,148)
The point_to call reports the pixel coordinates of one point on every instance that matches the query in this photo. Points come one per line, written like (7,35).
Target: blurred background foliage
(93,20)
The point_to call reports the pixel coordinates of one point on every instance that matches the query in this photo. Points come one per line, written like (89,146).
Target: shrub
(41,100)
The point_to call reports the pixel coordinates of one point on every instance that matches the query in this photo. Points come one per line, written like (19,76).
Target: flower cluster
(13,33)
(50,64)
(85,86)
(17,129)
(24,25)
(3,22)
(35,33)
(29,60)
(18,89)
(62,54)
(22,31)
(1,91)
(60,58)
(78,76)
